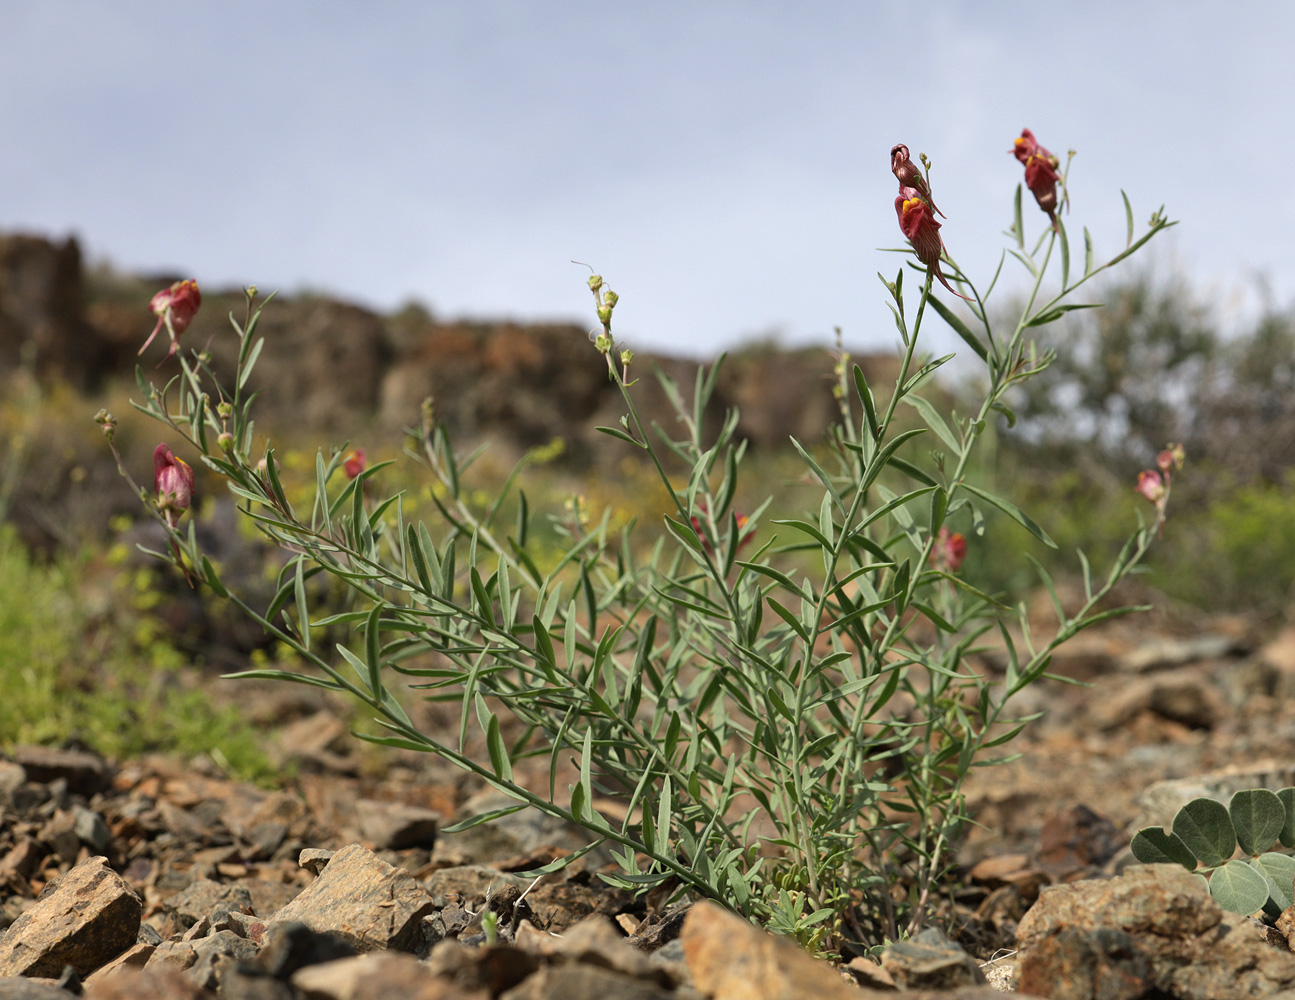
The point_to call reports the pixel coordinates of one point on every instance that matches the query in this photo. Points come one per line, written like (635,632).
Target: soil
(1168,696)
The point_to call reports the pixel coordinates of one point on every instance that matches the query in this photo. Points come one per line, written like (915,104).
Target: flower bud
(173,482)
(595,282)
(107,421)
(1151,485)
(603,343)
(226,442)
(604,315)
(610,299)
(225,410)
(626,357)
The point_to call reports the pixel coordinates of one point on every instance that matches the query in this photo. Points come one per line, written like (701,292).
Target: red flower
(909,176)
(174,308)
(173,481)
(1027,146)
(1041,175)
(918,224)
(354,463)
(949,550)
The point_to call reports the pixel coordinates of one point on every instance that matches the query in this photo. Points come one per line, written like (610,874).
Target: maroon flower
(1041,175)
(1027,146)
(173,481)
(918,224)
(909,176)
(174,308)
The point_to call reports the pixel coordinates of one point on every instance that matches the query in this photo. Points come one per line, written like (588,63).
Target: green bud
(595,282)
(226,442)
(603,343)
(610,299)
(626,357)
(604,315)
(225,410)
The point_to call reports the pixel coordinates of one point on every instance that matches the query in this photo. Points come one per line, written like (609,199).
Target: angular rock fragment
(83,919)
(1152,931)
(366,901)
(378,976)
(205,897)
(732,960)
(22,988)
(930,961)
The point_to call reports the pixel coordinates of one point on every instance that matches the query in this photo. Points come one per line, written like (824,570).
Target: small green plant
(1205,835)
(781,710)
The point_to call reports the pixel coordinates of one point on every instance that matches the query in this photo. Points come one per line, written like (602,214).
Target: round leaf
(1154,846)
(1239,888)
(1279,870)
(1287,797)
(1258,817)
(1205,827)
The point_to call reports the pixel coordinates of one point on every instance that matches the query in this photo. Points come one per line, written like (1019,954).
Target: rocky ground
(158,878)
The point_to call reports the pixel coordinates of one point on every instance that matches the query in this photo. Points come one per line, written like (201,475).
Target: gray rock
(205,897)
(83,919)
(930,961)
(217,954)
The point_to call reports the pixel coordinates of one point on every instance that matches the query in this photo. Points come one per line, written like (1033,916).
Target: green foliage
(71,677)
(1206,834)
(784,708)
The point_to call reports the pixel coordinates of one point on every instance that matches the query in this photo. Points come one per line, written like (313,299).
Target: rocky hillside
(336,366)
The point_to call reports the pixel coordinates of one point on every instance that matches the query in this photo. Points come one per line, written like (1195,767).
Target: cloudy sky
(723,164)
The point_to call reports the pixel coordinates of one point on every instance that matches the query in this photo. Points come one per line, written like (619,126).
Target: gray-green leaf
(1258,817)
(1238,888)
(1205,827)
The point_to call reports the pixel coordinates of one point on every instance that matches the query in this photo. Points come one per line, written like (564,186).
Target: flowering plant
(790,740)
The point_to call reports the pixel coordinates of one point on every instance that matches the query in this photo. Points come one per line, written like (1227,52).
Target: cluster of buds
(173,482)
(108,422)
(174,308)
(916,211)
(1154,483)
(949,550)
(1041,175)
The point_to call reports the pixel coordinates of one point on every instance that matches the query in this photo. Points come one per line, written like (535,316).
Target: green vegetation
(1205,835)
(109,682)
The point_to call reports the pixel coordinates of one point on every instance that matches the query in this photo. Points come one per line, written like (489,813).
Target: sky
(724,165)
